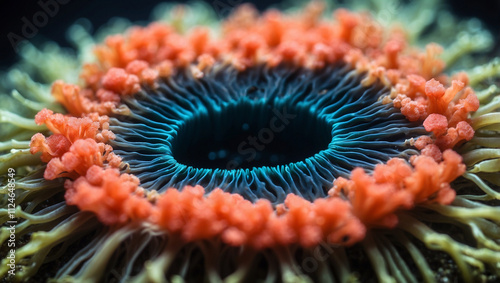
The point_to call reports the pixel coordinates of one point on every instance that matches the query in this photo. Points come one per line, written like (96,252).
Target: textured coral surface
(423,154)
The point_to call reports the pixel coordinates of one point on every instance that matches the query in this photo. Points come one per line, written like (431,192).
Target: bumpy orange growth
(436,123)
(91,126)
(397,185)
(73,147)
(240,222)
(119,81)
(445,111)
(54,146)
(114,198)
(193,215)
(82,155)
(79,102)
(430,181)
(70,127)
(370,199)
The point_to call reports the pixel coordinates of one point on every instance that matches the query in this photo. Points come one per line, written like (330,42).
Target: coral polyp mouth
(250,133)
(262,133)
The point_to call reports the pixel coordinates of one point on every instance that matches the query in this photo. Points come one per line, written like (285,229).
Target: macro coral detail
(261,133)
(276,147)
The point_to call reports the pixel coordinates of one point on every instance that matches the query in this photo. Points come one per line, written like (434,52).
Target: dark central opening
(248,134)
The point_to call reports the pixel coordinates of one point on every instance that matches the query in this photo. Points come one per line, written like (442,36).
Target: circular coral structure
(276,147)
(262,133)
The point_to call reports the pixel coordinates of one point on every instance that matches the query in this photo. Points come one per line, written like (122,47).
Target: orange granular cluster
(79,102)
(75,145)
(240,222)
(77,148)
(445,111)
(117,199)
(397,185)
(190,213)
(114,198)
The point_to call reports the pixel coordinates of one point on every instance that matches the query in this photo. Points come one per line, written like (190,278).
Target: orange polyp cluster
(112,196)
(54,146)
(431,180)
(78,147)
(82,155)
(142,71)
(436,123)
(79,102)
(240,222)
(119,81)
(405,186)
(439,98)
(444,111)
(146,53)
(431,65)
(90,126)
(76,144)
(194,215)
(116,198)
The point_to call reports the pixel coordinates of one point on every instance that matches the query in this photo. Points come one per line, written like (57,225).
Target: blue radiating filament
(262,133)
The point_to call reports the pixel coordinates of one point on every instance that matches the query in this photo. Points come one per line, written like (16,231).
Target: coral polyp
(261,133)
(277,146)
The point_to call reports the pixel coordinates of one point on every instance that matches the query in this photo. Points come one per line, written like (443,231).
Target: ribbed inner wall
(262,133)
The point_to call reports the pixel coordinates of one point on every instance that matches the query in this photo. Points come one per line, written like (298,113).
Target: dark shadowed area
(39,20)
(49,19)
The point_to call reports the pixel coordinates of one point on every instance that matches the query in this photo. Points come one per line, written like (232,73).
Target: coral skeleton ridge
(294,146)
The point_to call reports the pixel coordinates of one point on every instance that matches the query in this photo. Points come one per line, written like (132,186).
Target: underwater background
(139,13)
